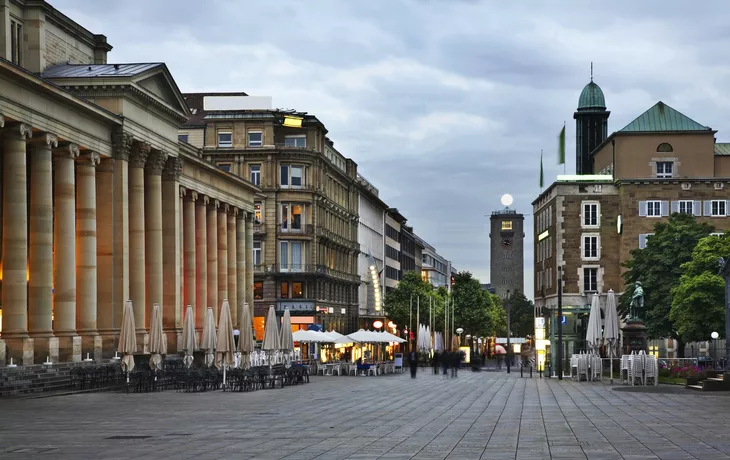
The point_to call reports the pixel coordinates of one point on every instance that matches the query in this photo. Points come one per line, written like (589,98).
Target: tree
(698,302)
(522,315)
(476,310)
(659,267)
(398,300)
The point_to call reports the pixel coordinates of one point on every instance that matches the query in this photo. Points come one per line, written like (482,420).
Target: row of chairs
(639,368)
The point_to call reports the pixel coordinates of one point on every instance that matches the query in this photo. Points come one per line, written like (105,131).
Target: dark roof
(195,102)
(591,98)
(662,118)
(97,70)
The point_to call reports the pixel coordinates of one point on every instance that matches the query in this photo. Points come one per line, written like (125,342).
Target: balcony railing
(307,269)
(342,241)
(259,228)
(304,230)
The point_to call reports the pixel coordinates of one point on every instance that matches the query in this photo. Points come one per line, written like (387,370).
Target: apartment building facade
(435,269)
(393,222)
(305,247)
(371,258)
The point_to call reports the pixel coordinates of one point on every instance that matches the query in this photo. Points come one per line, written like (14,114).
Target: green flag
(541,172)
(561,146)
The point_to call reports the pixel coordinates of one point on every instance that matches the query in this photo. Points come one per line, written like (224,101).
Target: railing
(315,269)
(305,230)
(342,241)
(259,228)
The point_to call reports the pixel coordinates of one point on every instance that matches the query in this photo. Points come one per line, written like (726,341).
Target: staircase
(714,381)
(35,379)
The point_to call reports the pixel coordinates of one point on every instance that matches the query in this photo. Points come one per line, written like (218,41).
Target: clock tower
(507,249)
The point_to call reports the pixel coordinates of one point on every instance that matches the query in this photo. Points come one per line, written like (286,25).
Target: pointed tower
(591,125)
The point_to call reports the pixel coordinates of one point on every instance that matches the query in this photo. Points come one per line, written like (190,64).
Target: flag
(541,171)
(561,146)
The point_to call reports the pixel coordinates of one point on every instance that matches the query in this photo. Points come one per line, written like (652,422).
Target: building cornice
(672,181)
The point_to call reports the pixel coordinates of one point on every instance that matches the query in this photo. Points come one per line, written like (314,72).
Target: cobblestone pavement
(477,415)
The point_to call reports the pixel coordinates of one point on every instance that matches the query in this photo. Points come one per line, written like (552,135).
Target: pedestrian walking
(413,362)
(435,362)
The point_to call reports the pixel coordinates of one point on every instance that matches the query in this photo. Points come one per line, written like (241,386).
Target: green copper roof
(722,149)
(660,118)
(591,98)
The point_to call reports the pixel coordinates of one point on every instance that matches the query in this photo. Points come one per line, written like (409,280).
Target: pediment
(161,86)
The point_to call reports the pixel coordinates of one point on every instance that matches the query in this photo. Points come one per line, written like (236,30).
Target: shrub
(685,372)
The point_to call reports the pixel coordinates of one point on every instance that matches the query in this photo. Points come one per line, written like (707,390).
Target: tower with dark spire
(591,125)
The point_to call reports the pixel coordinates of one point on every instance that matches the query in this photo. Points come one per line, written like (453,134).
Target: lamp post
(560,323)
(725,272)
(509,333)
(714,336)
(459,331)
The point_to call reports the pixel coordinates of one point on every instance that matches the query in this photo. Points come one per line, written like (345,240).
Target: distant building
(371,237)
(488,287)
(507,250)
(435,268)
(393,222)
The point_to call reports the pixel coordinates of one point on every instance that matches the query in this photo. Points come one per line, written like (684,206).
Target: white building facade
(371,237)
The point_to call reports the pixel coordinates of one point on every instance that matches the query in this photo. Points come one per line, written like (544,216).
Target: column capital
(50,140)
(215,204)
(173,169)
(155,162)
(193,195)
(66,150)
(234,211)
(121,145)
(183,191)
(138,154)
(2,121)
(225,207)
(18,130)
(89,157)
(249,217)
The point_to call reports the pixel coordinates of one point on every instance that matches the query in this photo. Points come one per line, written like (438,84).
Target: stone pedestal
(109,344)
(69,348)
(636,338)
(91,344)
(44,348)
(20,350)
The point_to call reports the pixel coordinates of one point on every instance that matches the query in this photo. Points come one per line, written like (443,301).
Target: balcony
(259,228)
(307,269)
(335,238)
(306,230)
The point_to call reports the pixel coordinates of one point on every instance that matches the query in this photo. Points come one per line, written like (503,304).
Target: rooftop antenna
(591,71)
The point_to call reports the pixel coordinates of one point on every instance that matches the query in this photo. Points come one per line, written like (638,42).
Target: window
(291,176)
(257,212)
(664,169)
(254,174)
(297,291)
(256,253)
(590,214)
(182,137)
(255,139)
(644,239)
(16,42)
(391,273)
(285,289)
(506,225)
(718,208)
(590,280)
(291,217)
(291,256)
(654,208)
(391,252)
(591,250)
(664,148)
(295,141)
(225,167)
(225,139)
(686,207)
(258,290)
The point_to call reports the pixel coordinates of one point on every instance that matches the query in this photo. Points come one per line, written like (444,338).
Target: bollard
(530,370)
(521,367)
(540,370)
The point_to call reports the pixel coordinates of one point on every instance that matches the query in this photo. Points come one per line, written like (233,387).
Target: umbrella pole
(610,360)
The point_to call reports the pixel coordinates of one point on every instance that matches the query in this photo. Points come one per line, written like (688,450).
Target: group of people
(445,360)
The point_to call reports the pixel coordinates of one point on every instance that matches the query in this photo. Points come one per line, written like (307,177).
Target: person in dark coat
(435,362)
(413,362)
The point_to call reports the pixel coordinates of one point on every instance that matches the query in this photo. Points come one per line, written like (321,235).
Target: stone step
(695,387)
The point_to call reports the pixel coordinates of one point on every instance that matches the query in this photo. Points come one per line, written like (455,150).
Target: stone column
(223,252)
(153,229)
(241,262)
(232,272)
(201,260)
(249,261)
(40,258)
(137,160)
(15,245)
(212,232)
(171,250)
(64,244)
(86,284)
(189,244)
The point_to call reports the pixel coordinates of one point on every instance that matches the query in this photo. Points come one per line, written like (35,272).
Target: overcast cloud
(444,104)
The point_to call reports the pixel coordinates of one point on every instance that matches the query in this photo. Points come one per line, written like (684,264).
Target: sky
(445,105)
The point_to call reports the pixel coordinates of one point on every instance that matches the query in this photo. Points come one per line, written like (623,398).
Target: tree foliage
(659,267)
(698,301)
(522,315)
(412,288)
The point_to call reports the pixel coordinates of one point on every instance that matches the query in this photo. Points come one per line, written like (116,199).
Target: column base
(109,343)
(19,350)
(143,342)
(69,348)
(45,348)
(91,345)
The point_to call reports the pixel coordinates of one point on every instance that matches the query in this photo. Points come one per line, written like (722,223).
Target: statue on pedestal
(637,302)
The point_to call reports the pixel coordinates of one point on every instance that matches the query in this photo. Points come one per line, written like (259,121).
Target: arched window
(664,148)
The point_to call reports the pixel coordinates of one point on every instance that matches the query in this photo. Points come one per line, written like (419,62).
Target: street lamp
(714,336)
(509,333)
(459,331)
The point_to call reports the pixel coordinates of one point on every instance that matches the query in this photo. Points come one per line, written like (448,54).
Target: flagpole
(564,146)
(418,316)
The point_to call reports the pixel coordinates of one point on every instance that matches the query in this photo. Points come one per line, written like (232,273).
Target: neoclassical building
(100,201)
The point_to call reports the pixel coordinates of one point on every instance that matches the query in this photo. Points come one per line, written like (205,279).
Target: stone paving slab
(477,415)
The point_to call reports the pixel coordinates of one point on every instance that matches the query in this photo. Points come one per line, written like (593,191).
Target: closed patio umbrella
(271,334)
(246,340)
(208,342)
(286,341)
(189,339)
(610,328)
(128,338)
(224,342)
(593,331)
(157,339)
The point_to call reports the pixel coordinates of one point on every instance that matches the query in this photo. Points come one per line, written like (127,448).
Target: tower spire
(591,70)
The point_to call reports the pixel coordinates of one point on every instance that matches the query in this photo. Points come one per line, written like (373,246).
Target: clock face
(506,243)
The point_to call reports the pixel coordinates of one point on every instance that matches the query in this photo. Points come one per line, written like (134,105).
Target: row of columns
(104,220)
(216,264)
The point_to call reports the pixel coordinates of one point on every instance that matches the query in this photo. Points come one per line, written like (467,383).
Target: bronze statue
(637,301)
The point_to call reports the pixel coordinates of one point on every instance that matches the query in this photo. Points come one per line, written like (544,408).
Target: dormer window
(664,148)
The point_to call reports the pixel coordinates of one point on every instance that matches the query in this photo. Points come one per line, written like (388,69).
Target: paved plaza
(486,415)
